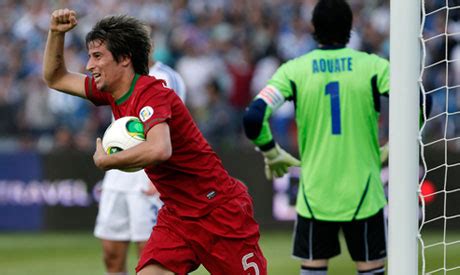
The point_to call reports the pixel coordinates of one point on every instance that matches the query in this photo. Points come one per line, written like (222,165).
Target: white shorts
(126,216)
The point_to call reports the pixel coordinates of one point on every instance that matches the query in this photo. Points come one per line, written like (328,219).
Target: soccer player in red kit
(207,217)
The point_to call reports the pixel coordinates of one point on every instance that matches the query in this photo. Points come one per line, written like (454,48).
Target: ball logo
(146,113)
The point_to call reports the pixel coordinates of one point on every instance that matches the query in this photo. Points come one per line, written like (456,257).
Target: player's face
(103,67)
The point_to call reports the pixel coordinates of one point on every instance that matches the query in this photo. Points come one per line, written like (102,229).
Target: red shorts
(224,241)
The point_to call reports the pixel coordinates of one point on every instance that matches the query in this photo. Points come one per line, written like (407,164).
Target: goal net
(439,189)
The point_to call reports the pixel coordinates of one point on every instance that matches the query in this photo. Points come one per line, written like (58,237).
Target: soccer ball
(123,134)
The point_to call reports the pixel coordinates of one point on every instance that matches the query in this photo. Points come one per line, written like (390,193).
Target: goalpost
(424,57)
(403,137)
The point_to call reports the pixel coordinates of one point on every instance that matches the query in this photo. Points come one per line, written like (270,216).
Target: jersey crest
(146,113)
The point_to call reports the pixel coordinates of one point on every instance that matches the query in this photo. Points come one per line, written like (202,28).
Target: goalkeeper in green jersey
(336,93)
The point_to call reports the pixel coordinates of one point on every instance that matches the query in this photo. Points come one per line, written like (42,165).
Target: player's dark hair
(332,20)
(124,36)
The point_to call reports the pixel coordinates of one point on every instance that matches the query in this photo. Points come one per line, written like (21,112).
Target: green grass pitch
(80,253)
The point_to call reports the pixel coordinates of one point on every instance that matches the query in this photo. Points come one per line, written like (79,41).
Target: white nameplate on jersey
(272,96)
(146,113)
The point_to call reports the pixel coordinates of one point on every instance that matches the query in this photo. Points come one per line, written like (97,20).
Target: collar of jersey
(128,93)
(331,47)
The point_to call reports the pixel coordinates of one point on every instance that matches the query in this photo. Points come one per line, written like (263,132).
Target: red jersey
(193,181)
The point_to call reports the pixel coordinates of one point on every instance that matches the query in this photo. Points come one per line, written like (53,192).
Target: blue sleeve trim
(253,118)
(268,146)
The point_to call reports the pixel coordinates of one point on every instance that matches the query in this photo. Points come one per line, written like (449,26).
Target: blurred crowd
(225,51)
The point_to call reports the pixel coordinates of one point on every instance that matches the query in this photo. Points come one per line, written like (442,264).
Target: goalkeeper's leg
(315,267)
(380,270)
(315,242)
(366,241)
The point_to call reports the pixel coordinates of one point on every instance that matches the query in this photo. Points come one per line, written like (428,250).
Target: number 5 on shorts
(247,265)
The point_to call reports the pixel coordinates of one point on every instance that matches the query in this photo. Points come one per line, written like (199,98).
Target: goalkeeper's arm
(384,149)
(257,129)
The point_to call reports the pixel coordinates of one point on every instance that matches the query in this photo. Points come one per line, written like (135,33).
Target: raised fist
(63,20)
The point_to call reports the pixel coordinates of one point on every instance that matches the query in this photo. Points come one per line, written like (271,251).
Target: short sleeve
(281,81)
(94,95)
(382,69)
(154,107)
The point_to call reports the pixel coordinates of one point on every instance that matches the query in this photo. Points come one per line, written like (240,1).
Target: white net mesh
(440,138)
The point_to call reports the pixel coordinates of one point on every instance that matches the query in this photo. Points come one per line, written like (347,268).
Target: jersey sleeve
(382,70)
(94,95)
(281,81)
(256,124)
(154,107)
(256,120)
(180,89)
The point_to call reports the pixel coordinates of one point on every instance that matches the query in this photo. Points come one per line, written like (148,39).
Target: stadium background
(225,50)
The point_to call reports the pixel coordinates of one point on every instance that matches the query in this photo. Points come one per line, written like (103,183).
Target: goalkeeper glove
(277,162)
(384,150)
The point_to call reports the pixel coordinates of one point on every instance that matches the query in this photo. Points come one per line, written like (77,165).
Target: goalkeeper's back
(336,92)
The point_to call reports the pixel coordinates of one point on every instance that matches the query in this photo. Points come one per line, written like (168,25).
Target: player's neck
(123,85)
(332,46)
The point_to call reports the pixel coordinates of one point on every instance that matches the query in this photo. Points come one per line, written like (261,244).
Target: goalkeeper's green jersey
(336,96)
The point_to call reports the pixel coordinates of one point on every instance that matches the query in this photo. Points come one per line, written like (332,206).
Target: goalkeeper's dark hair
(124,36)
(332,20)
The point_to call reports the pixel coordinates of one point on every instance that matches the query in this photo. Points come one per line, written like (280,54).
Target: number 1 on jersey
(332,89)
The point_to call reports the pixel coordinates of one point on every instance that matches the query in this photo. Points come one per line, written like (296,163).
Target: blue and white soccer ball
(122,134)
